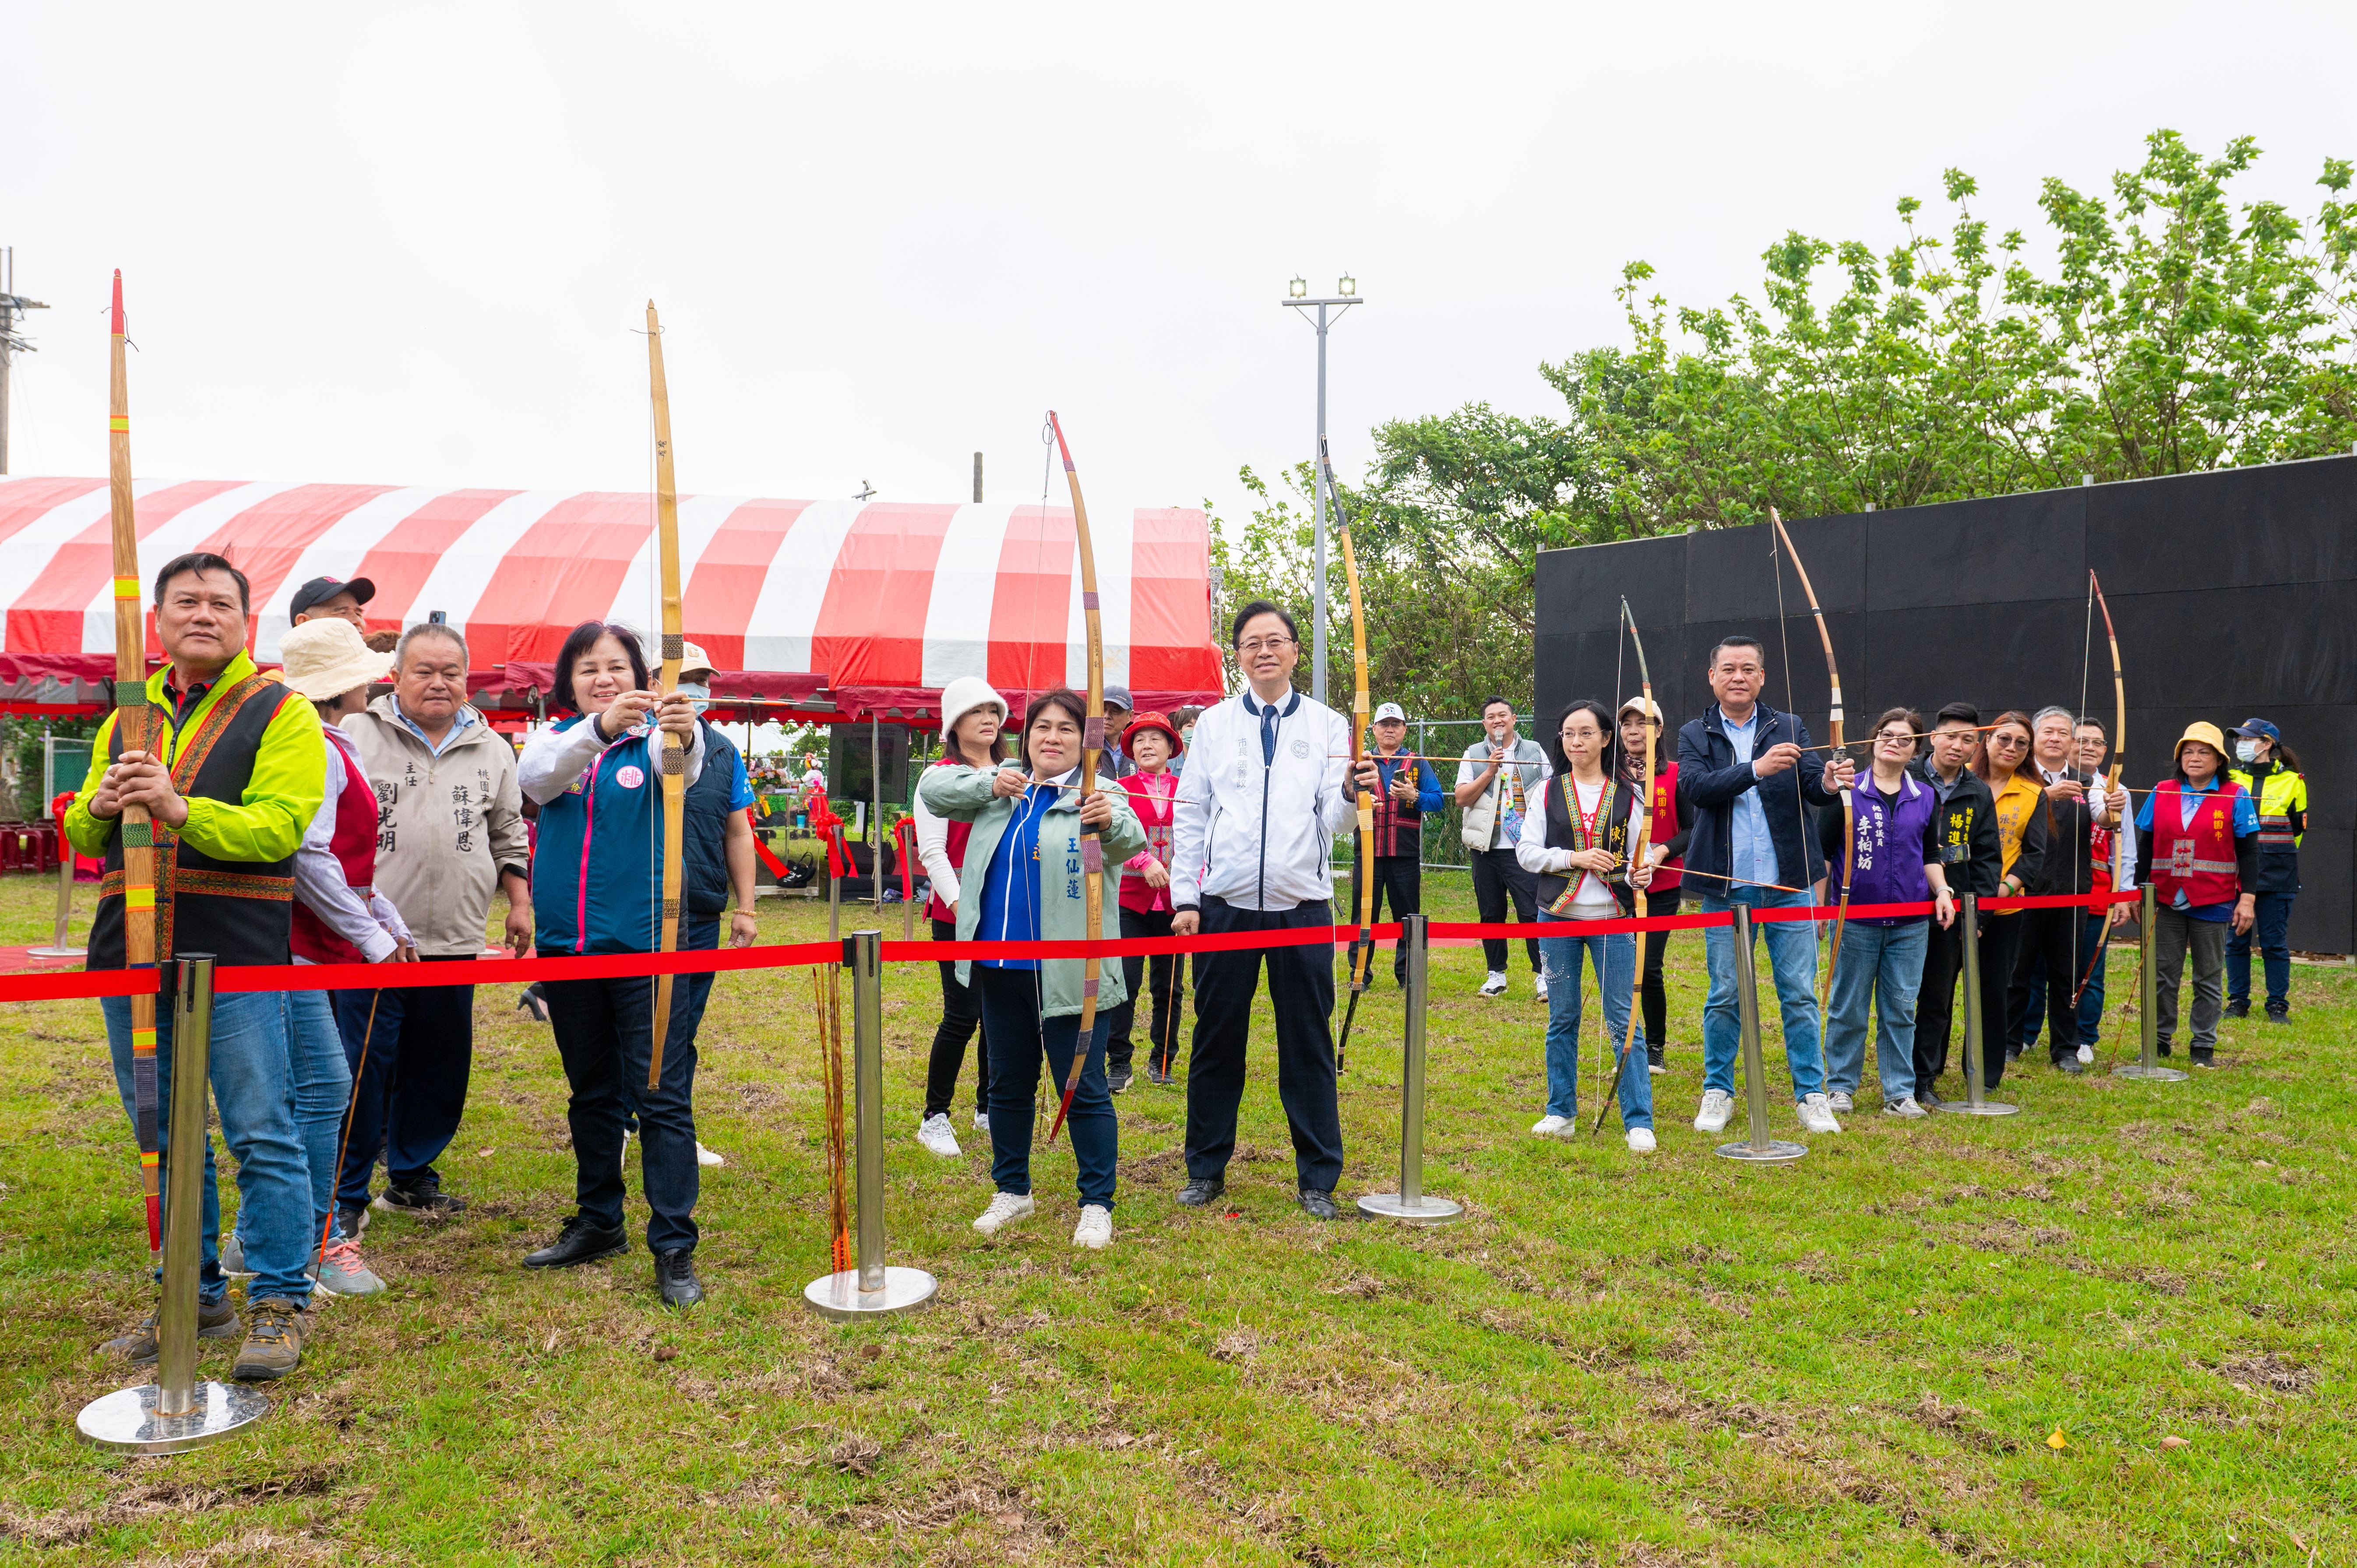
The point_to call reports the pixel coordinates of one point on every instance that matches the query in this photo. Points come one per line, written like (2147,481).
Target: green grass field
(1615,1359)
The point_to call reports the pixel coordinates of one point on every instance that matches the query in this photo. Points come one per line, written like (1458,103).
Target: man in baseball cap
(1408,790)
(331,597)
(1118,706)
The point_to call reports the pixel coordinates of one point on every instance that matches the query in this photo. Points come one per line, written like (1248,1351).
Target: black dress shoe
(2238,1009)
(1202,1192)
(2071,1064)
(578,1242)
(1317,1204)
(675,1278)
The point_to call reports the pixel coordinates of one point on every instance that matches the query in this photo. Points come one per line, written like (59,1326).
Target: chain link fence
(1440,742)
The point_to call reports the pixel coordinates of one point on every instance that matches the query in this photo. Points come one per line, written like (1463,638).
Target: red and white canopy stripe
(878,595)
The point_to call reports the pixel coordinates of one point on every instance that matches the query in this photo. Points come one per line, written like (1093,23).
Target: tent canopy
(842,605)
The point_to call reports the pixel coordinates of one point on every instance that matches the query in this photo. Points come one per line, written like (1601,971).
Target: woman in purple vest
(1895,860)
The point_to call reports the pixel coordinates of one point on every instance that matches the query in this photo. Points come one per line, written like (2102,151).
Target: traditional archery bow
(1364,950)
(2112,784)
(675,750)
(131,733)
(1093,740)
(1850,806)
(1640,833)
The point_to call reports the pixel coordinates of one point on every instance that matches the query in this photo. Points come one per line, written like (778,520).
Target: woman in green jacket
(1022,881)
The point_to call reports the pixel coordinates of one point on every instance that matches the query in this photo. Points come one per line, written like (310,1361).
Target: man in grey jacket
(1498,777)
(450,831)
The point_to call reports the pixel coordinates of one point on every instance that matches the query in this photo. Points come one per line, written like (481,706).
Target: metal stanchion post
(870,1289)
(1975,1101)
(1411,1203)
(2148,1003)
(176,1411)
(1759,1147)
(57,947)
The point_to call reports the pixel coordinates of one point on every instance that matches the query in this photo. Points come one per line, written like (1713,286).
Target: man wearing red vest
(339,917)
(2197,839)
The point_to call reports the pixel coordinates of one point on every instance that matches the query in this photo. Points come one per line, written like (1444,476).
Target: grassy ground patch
(1615,1359)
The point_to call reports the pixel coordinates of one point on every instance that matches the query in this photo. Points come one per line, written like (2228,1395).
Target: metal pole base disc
(58,952)
(1777,1152)
(1986,1107)
(839,1297)
(1425,1210)
(125,1421)
(2150,1074)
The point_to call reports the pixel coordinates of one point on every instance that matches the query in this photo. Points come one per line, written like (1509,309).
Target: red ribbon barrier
(904,839)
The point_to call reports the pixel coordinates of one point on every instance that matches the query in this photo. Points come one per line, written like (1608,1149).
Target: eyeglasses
(1263,645)
(2010,742)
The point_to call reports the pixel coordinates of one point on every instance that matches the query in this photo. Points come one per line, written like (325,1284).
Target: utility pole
(1346,295)
(11,306)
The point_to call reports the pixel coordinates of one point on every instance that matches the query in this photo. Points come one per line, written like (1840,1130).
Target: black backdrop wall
(2235,594)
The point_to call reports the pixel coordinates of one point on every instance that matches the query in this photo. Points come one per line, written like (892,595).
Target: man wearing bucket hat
(1407,790)
(2198,840)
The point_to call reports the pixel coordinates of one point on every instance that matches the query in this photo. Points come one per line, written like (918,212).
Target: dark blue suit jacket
(1710,779)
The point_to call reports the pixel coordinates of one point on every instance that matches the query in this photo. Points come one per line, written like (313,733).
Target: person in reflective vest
(2270,774)
(2197,839)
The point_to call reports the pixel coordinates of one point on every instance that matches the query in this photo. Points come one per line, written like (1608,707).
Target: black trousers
(1935,1001)
(1163,975)
(1498,877)
(603,1030)
(961,1020)
(1401,879)
(1653,997)
(2047,949)
(1301,995)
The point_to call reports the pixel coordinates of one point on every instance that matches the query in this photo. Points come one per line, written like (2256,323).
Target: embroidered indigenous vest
(2199,860)
(1399,830)
(239,910)
(354,846)
(1562,832)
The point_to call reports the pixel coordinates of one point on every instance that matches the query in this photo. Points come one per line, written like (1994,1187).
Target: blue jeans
(252,1085)
(1015,1037)
(1792,955)
(2090,1001)
(1614,958)
(2267,931)
(323,1090)
(1881,965)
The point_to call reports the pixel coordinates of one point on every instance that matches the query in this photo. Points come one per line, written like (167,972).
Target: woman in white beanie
(973,715)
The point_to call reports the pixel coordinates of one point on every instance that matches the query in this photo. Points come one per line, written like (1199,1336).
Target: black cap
(318,588)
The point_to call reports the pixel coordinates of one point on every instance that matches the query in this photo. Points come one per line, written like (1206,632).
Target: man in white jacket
(1266,792)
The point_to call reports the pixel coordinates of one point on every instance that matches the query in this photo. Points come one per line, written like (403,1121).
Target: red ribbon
(904,839)
(828,827)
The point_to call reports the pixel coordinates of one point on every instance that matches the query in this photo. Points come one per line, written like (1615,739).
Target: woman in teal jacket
(1022,881)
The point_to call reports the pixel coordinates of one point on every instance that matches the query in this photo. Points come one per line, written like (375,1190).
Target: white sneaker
(1718,1105)
(704,1156)
(1641,1140)
(1538,986)
(1817,1115)
(1496,985)
(1839,1099)
(1906,1107)
(934,1132)
(1006,1207)
(1095,1228)
(982,1121)
(2087,1055)
(1553,1127)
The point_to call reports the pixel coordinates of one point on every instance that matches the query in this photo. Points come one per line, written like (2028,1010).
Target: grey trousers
(2173,932)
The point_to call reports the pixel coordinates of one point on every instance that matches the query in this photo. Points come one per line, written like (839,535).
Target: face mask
(697,688)
(2247,750)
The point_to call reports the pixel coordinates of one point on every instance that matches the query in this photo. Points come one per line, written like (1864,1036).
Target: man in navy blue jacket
(1746,771)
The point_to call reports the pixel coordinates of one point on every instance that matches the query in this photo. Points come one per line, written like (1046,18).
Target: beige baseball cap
(693,662)
(1645,705)
(324,659)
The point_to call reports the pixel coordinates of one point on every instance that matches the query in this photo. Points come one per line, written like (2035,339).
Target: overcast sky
(410,244)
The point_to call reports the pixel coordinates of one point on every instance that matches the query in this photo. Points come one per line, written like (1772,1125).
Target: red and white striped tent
(845,608)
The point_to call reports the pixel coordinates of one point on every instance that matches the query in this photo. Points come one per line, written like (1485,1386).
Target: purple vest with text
(1891,850)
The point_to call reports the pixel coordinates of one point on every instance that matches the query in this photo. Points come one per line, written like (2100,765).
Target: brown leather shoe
(215,1320)
(274,1344)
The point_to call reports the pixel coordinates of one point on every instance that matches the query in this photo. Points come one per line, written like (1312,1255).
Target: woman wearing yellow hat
(2197,839)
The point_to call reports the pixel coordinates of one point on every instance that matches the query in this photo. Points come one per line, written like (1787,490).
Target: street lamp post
(1346,295)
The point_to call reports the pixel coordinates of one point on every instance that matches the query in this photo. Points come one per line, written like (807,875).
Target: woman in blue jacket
(595,875)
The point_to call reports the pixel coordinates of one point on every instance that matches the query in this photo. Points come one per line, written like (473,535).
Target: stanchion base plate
(1425,1210)
(125,1421)
(1986,1107)
(2150,1074)
(58,952)
(839,1297)
(1776,1152)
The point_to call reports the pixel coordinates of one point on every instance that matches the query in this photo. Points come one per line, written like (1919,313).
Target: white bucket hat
(964,694)
(325,658)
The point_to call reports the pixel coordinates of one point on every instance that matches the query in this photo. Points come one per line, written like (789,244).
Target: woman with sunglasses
(1577,844)
(1892,857)
(2021,830)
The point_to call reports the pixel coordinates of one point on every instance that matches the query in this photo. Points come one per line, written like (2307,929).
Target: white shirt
(373,925)
(2123,837)
(933,852)
(1592,897)
(553,759)
(1260,835)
